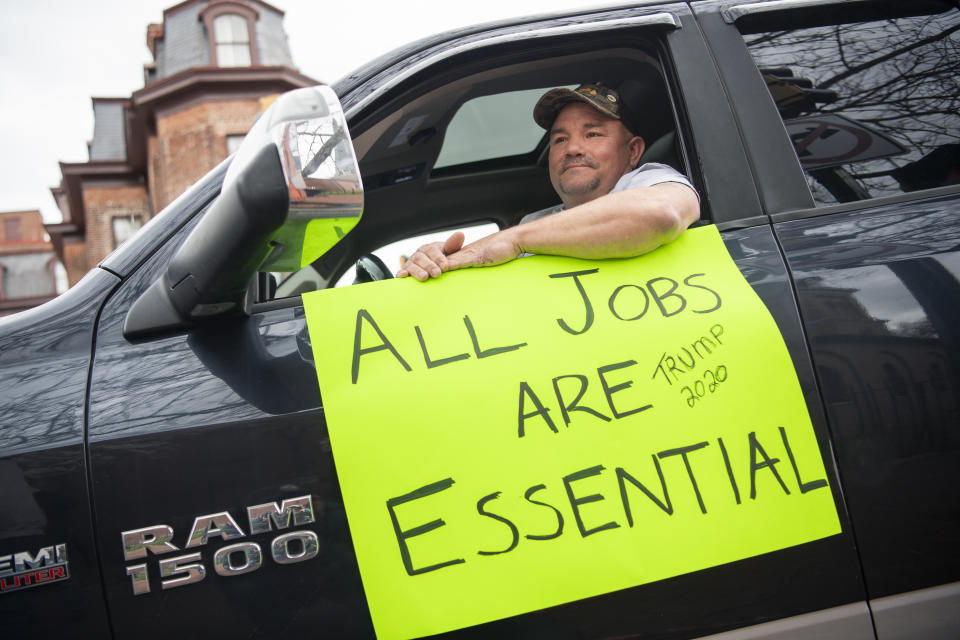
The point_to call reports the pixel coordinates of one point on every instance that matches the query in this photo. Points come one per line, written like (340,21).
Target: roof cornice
(199,78)
(62,233)
(186,87)
(98,169)
(70,192)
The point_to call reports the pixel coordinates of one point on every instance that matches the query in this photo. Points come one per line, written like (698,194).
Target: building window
(233,142)
(26,275)
(232,40)
(11,230)
(124,227)
(231,33)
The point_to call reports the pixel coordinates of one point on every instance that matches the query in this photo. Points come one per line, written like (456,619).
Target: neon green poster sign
(515,438)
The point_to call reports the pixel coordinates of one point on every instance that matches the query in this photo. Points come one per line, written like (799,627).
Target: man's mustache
(579,160)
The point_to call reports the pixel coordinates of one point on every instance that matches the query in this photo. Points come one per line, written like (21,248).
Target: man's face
(589,152)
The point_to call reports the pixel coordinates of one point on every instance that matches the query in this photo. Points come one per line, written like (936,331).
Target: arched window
(231,33)
(232,40)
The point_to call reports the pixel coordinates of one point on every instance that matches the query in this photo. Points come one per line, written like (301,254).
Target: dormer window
(11,230)
(232,40)
(231,33)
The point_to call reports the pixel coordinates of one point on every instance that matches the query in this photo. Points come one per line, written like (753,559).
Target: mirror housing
(308,129)
(291,192)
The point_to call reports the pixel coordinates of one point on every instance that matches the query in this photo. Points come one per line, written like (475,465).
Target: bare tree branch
(888,56)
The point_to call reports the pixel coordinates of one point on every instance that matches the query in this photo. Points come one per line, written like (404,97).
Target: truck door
(864,203)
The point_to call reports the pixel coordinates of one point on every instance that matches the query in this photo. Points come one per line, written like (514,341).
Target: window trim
(654,19)
(750,16)
(733,13)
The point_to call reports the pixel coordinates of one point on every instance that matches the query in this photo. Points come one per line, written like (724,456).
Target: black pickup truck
(165,469)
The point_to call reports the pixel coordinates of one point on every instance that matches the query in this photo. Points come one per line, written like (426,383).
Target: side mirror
(292,191)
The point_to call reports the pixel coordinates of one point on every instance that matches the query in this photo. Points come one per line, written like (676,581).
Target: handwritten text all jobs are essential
(692,368)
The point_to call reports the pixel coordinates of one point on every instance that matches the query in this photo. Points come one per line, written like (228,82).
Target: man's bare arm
(618,225)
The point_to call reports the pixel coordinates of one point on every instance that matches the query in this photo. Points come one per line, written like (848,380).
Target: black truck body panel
(101,435)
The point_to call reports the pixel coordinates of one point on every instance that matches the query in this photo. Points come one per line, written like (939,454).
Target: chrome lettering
(299,508)
(252,559)
(156,539)
(188,565)
(220,524)
(280,548)
(236,558)
(138,578)
(25,560)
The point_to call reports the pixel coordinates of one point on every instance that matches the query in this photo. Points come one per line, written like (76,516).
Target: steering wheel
(369,268)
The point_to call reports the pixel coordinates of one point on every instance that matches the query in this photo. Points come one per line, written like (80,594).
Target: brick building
(213,63)
(27,262)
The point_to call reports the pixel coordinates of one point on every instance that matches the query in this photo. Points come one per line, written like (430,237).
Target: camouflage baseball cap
(600,97)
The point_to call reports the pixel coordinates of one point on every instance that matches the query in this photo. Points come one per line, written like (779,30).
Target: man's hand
(430,260)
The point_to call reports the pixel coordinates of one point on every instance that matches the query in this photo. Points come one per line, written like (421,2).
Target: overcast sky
(56,54)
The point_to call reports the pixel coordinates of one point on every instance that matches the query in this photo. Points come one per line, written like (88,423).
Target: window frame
(239,48)
(127,217)
(235,7)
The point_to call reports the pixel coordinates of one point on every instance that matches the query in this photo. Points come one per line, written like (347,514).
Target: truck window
(872,108)
(492,126)
(457,146)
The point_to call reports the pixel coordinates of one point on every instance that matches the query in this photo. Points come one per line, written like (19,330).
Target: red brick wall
(192,141)
(101,204)
(75,260)
(31,231)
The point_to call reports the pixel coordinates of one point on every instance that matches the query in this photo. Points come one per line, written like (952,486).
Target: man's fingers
(416,271)
(454,243)
(420,263)
(431,254)
(431,260)
(426,261)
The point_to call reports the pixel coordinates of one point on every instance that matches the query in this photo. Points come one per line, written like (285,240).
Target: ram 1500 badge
(231,560)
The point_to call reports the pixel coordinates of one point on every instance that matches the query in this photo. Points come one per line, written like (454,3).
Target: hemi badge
(24,569)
